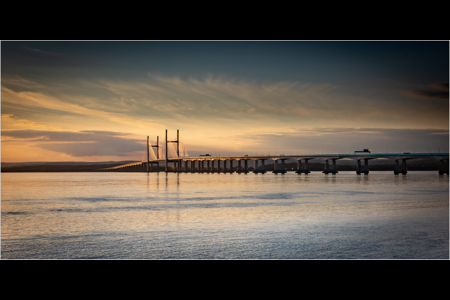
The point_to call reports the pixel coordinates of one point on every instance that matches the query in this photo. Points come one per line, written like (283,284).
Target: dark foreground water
(224,216)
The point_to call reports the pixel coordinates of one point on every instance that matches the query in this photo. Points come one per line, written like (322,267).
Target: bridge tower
(178,151)
(157,151)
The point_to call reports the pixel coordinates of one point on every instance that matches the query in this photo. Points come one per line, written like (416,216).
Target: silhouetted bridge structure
(223,164)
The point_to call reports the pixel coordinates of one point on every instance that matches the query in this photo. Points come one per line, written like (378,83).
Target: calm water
(224,216)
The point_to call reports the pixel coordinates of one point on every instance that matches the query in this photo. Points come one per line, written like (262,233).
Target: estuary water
(224,216)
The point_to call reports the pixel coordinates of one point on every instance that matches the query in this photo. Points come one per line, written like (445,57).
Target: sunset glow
(98,101)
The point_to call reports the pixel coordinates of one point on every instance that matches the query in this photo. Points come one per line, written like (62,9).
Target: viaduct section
(223,164)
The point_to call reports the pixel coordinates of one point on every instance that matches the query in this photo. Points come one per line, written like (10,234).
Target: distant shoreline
(59,166)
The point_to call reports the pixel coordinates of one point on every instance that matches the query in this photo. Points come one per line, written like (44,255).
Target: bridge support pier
(231,166)
(327,169)
(397,169)
(300,168)
(275,167)
(262,170)
(218,165)
(443,167)
(366,167)
(240,168)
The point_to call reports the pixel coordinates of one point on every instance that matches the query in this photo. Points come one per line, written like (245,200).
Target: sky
(99,100)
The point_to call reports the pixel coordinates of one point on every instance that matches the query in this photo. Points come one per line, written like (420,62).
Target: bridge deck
(315,156)
(306,157)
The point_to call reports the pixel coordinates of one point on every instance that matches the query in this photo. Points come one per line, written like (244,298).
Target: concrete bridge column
(366,166)
(299,166)
(396,167)
(334,171)
(302,169)
(262,170)
(239,165)
(225,166)
(255,166)
(306,171)
(358,167)
(245,166)
(443,166)
(208,166)
(326,171)
(218,166)
(404,170)
(276,170)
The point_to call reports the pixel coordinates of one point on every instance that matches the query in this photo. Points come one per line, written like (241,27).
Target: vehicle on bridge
(364,151)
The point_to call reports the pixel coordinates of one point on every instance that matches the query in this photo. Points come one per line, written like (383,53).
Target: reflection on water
(224,216)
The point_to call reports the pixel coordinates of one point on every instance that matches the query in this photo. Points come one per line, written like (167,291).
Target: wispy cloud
(226,98)
(437,91)
(79,144)
(326,140)
(43,52)
(78,107)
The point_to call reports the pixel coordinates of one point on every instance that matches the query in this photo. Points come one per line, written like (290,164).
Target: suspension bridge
(224,164)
